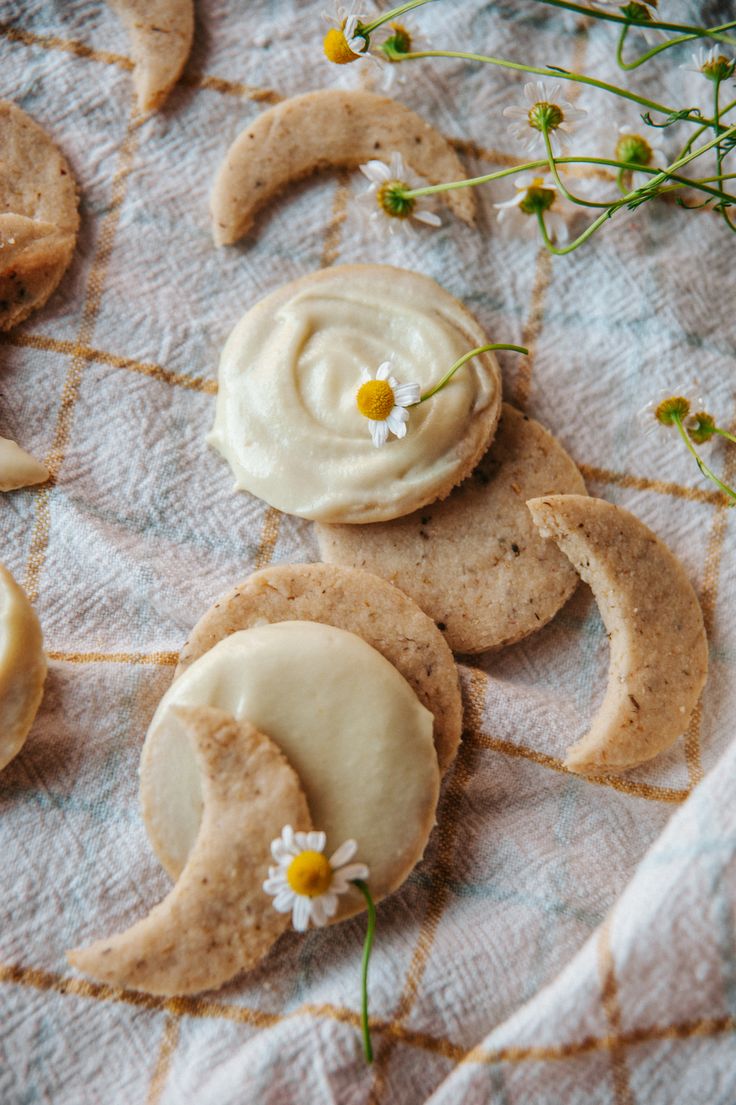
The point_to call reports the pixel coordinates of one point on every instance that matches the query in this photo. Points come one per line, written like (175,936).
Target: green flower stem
(553,169)
(367,946)
(459,364)
(540,163)
(683,28)
(393,14)
(562,250)
(556,74)
(629,65)
(707,472)
(719,151)
(701,130)
(724,433)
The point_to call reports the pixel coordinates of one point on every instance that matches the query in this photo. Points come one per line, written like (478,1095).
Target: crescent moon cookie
(38,215)
(474,562)
(348,722)
(328,129)
(355,601)
(160,39)
(287,419)
(22,667)
(217,920)
(659,651)
(18,468)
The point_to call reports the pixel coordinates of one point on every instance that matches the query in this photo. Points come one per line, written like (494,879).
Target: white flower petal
(274,885)
(343,854)
(396,425)
(283,902)
(300,913)
(383,371)
(329,903)
(317,909)
(427,217)
(405,395)
(316,841)
(352,871)
(396,165)
(379,432)
(302,841)
(376,171)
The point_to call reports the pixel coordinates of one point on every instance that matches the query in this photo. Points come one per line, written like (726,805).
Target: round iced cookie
(287,419)
(475,562)
(22,667)
(360,603)
(349,724)
(38,215)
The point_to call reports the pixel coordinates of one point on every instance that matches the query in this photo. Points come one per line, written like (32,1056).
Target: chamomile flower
(635,149)
(713,64)
(545,109)
(533,194)
(345,41)
(305,882)
(383,401)
(669,405)
(385,196)
(400,40)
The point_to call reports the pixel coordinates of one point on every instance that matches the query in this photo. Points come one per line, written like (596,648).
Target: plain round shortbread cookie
(38,215)
(475,563)
(362,604)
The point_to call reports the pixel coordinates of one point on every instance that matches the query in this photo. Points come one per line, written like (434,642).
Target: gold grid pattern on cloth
(394,1031)
(49,981)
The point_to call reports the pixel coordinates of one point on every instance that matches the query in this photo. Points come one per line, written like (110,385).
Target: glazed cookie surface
(22,667)
(287,419)
(360,603)
(38,215)
(475,562)
(349,724)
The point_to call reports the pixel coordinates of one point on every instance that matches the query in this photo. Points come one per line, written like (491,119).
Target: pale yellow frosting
(22,666)
(347,721)
(287,420)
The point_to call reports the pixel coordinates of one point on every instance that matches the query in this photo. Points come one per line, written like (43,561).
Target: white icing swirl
(287,419)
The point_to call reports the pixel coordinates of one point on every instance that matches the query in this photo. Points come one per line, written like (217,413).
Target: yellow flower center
(336,47)
(309,874)
(376,399)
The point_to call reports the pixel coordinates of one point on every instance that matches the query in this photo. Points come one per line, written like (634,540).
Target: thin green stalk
(541,163)
(684,28)
(562,250)
(707,472)
(648,54)
(367,946)
(701,130)
(393,14)
(724,433)
(553,169)
(555,74)
(719,152)
(463,360)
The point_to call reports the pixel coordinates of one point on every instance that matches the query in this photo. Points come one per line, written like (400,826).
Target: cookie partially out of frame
(38,215)
(360,603)
(475,562)
(160,38)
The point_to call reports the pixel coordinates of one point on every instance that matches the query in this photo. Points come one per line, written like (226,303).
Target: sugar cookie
(160,39)
(475,562)
(329,128)
(350,725)
(217,920)
(360,603)
(38,215)
(659,651)
(287,419)
(22,667)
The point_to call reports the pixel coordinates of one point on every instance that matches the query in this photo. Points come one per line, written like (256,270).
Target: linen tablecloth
(563,940)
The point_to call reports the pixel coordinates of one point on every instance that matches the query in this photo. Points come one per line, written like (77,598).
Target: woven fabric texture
(564,940)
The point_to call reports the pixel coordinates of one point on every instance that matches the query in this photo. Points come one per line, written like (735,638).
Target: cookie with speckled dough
(38,215)
(360,603)
(474,562)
